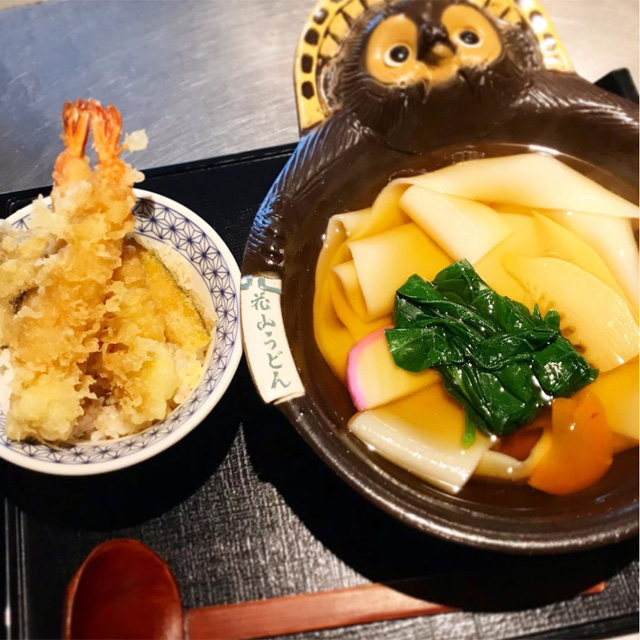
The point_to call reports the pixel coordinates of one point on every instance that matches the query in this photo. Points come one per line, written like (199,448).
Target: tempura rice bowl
(201,262)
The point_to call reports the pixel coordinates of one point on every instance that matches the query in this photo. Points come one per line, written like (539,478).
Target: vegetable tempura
(90,342)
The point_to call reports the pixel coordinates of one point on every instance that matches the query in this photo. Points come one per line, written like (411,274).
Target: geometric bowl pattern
(183,231)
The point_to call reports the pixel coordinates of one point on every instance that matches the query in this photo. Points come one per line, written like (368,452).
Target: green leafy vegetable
(501,361)
(469,436)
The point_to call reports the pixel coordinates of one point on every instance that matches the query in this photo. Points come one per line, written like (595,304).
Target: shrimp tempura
(53,281)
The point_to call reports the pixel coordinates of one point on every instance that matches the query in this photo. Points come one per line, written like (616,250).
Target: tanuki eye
(397,55)
(468,37)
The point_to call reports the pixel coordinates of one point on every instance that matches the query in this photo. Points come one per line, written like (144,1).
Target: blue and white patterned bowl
(215,279)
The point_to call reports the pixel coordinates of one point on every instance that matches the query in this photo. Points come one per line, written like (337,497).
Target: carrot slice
(581,446)
(519,444)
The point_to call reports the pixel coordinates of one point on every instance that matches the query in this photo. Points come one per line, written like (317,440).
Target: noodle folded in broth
(536,232)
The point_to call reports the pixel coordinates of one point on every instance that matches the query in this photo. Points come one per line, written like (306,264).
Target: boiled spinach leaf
(500,360)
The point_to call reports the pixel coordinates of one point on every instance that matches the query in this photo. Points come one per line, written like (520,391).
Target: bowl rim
(150,450)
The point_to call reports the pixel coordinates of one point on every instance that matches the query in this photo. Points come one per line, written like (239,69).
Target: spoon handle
(310,612)
(305,612)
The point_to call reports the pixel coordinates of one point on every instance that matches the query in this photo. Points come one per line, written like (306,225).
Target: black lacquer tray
(242,509)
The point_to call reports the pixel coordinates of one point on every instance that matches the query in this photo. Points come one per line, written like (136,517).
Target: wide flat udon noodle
(386,214)
(343,307)
(465,229)
(556,241)
(523,239)
(531,180)
(526,238)
(340,295)
(423,433)
(347,275)
(537,235)
(613,239)
(501,466)
(333,338)
(384,262)
(337,325)
(430,447)
(608,240)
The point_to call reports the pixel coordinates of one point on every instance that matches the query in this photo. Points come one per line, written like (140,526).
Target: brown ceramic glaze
(364,125)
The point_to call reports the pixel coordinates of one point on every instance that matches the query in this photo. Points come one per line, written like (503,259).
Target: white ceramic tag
(266,345)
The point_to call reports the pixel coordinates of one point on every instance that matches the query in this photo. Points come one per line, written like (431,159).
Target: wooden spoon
(124,590)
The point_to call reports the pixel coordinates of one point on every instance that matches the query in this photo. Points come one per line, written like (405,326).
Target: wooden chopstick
(310,612)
